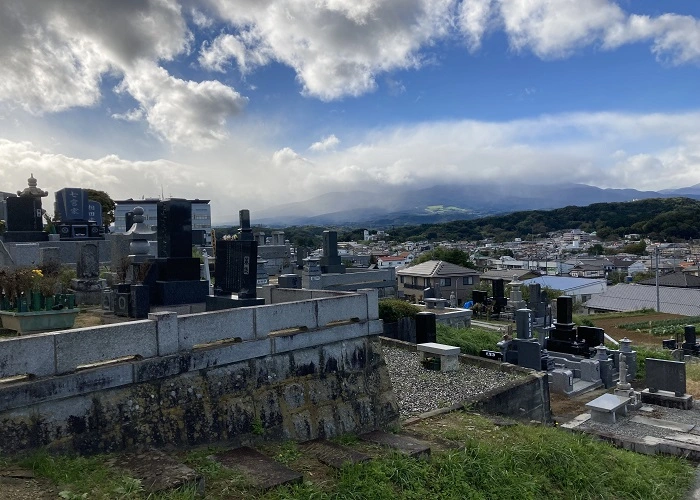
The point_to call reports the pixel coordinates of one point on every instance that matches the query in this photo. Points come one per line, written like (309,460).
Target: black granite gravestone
(77,219)
(24,219)
(236,269)
(330,262)
(174,228)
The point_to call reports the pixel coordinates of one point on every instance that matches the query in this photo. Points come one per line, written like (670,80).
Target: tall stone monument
(330,262)
(78,215)
(24,214)
(236,270)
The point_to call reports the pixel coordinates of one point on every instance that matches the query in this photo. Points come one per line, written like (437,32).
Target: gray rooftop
(437,268)
(633,297)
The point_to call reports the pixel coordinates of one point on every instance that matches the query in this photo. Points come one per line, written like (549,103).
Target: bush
(390,310)
(470,340)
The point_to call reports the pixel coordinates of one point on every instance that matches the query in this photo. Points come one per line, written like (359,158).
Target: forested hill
(670,219)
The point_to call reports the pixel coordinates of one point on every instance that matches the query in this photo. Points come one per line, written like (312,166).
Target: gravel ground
(419,390)
(625,427)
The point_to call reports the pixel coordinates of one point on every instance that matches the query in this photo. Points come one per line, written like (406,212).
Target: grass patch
(82,477)
(512,462)
(469,340)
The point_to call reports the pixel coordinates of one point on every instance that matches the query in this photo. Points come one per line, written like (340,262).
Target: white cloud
(325,144)
(336,47)
(646,152)
(183,112)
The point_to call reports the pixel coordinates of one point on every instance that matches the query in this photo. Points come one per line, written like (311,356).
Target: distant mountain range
(444,203)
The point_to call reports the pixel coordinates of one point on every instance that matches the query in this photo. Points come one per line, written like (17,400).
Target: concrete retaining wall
(296,370)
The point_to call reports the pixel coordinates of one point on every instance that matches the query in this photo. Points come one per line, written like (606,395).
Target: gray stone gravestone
(666,384)
(49,257)
(88,261)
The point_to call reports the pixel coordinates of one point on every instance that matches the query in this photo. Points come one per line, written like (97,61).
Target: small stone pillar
(311,275)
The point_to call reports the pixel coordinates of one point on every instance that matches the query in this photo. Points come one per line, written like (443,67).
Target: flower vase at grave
(36,301)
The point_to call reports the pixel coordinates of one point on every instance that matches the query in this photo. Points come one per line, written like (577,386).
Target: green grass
(512,462)
(469,340)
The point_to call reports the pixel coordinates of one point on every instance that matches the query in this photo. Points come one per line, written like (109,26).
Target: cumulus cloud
(183,112)
(55,55)
(336,47)
(325,144)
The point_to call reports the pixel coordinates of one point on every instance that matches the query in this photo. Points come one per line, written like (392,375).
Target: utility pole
(658,300)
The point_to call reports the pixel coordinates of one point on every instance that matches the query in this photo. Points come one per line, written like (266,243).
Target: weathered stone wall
(297,371)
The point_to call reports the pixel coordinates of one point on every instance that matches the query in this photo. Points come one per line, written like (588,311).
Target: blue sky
(254,104)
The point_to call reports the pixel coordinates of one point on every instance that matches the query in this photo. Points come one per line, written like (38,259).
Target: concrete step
(332,454)
(403,444)
(260,470)
(158,471)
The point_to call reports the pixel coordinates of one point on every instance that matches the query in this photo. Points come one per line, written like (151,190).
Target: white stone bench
(604,408)
(435,303)
(449,355)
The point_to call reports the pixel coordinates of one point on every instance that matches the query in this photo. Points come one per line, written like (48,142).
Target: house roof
(677,279)
(391,258)
(437,268)
(497,274)
(633,297)
(563,283)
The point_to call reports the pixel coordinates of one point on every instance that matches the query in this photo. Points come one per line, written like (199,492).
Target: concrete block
(590,370)
(31,354)
(233,353)
(83,346)
(372,302)
(303,340)
(306,362)
(282,295)
(285,316)
(76,384)
(342,309)
(166,332)
(161,367)
(207,327)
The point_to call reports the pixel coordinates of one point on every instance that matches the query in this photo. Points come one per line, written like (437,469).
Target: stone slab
(440,349)
(157,471)
(334,455)
(608,403)
(32,354)
(406,445)
(685,438)
(576,421)
(82,346)
(665,424)
(260,470)
(46,389)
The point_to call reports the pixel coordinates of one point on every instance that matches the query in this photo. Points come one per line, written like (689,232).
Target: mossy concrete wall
(323,378)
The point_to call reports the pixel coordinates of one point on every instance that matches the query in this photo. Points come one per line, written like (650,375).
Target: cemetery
(186,357)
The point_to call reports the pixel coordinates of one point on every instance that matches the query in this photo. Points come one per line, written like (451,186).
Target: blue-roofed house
(581,289)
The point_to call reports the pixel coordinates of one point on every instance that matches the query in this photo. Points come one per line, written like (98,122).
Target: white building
(201,215)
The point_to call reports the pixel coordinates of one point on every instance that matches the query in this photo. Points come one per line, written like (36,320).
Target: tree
(451,255)
(107,204)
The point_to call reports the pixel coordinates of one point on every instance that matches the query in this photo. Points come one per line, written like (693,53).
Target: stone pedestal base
(667,399)
(88,292)
(217,302)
